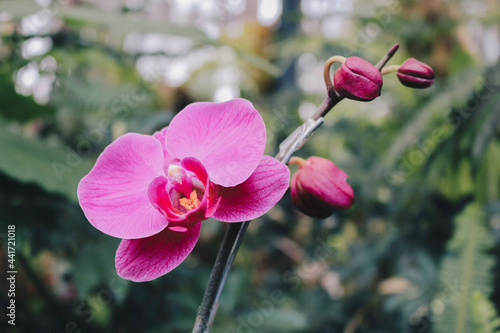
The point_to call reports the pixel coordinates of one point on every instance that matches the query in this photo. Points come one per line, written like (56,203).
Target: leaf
(115,22)
(436,108)
(487,132)
(18,107)
(286,321)
(277,320)
(484,314)
(260,63)
(95,266)
(465,269)
(19,8)
(52,166)
(235,290)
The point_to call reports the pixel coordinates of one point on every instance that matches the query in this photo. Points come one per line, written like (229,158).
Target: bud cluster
(359,80)
(319,187)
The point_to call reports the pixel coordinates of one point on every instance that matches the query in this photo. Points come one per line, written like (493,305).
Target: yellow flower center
(190,203)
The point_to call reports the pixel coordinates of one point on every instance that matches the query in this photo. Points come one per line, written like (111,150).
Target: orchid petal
(148,258)
(114,195)
(160,135)
(257,195)
(161,200)
(227,138)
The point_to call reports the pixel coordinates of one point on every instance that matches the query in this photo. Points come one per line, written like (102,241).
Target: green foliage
(49,164)
(118,25)
(413,254)
(18,107)
(485,316)
(466,268)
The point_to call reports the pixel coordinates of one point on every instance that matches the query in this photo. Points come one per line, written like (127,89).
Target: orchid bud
(415,74)
(319,188)
(358,79)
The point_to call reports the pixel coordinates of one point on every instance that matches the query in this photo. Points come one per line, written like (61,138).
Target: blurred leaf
(18,107)
(424,119)
(487,130)
(100,309)
(285,321)
(485,316)
(465,269)
(95,266)
(260,63)
(52,166)
(117,23)
(235,289)
(19,8)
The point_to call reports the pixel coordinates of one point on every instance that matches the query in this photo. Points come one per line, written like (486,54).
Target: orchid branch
(236,231)
(390,69)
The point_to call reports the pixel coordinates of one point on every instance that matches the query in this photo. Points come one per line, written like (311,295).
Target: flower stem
(225,258)
(236,231)
(297,160)
(390,69)
(326,72)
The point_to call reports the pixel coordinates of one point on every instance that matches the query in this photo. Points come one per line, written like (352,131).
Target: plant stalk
(235,232)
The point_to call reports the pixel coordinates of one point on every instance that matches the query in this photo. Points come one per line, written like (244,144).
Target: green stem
(390,69)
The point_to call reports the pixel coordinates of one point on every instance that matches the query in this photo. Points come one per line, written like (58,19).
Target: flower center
(184,188)
(190,203)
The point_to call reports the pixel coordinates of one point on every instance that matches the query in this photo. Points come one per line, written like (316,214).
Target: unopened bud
(415,74)
(319,187)
(358,79)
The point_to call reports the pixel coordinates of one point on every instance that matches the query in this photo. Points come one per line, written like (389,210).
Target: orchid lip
(185,196)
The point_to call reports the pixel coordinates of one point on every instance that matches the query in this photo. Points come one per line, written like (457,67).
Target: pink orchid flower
(153,191)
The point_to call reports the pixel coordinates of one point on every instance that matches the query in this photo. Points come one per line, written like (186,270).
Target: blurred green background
(418,252)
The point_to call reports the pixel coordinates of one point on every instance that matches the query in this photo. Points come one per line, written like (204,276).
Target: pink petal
(227,138)
(161,201)
(114,195)
(195,166)
(256,195)
(148,258)
(212,202)
(160,135)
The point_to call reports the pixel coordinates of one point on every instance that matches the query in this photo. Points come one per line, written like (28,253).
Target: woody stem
(236,231)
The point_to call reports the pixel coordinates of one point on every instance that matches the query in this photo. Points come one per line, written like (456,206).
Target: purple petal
(160,135)
(148,258)
(114,195)
(227,138)
(416,68)
(358,79)
(161,201)
(256,195)
(414,81)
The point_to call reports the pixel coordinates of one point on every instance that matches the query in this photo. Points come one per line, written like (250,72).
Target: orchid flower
(154,190)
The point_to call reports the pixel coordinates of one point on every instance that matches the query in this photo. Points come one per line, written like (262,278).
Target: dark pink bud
(358,79)
(415,74)
(319,188)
